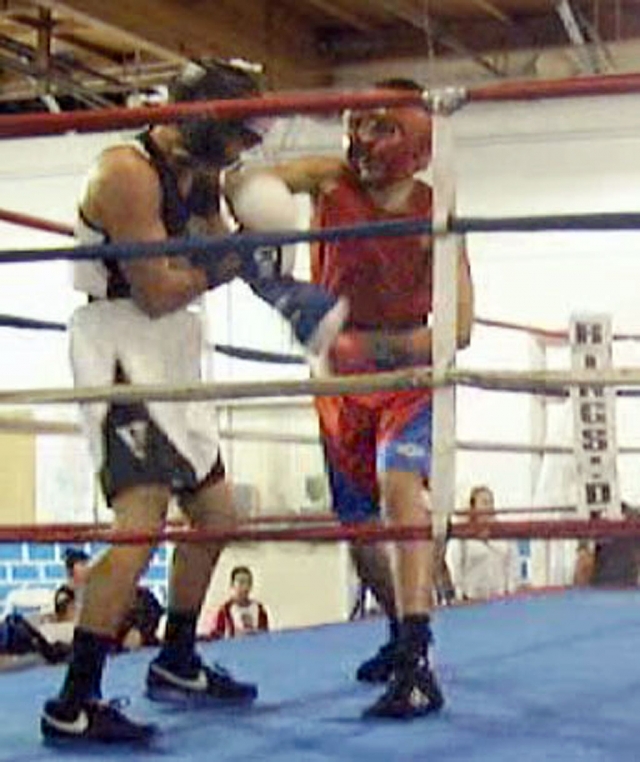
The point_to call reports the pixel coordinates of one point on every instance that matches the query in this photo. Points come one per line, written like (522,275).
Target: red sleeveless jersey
(387,280)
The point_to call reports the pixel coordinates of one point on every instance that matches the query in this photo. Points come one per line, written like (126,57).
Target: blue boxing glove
(219,268)
(316,317)
(262,202)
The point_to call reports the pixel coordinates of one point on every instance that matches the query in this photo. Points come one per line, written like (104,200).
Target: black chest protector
(175,211)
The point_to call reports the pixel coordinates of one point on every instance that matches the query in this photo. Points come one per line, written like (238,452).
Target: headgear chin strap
(205,139)
(388,145)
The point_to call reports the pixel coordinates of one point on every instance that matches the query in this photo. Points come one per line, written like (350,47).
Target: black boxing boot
(413,689)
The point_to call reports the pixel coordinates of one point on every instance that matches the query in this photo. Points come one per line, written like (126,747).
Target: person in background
(139,628)
(67,597)
(241,614)
(610,562)
(76,562)
(48,634)
(482,568)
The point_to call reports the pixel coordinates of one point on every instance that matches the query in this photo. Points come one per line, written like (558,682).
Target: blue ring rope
(387,228)
(549,223)
(217,244)
(11,321)
(257,355)
(252,241)
(238,353)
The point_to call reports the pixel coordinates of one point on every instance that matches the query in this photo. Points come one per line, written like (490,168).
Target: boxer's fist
(262,202)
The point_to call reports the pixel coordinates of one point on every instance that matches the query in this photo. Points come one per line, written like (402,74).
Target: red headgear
(390,144)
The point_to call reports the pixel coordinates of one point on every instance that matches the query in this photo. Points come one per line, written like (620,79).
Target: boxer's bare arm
(420,340)
(466,299)
(124,198)
(309,174)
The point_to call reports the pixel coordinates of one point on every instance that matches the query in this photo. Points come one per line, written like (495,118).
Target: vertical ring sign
(594,417)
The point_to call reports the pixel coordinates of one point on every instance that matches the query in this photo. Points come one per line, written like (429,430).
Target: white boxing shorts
(169,443)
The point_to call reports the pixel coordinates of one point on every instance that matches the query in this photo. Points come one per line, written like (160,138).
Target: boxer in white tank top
(113,339)
(137,328)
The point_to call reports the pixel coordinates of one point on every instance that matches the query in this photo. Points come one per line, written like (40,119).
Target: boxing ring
(542,675)
(551,677)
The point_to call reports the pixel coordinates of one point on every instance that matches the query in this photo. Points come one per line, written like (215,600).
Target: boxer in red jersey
(378,445)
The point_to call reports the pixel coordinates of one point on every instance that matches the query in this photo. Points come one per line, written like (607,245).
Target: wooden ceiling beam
(404,11)
(485,36)
(480,36)
(261,30)
(61,83)
(617,21)
(300,48)
(492,10)
(48,64)
(9,7)
(339,13)
(42,57)
(97,21)
(435,31)
(111,54)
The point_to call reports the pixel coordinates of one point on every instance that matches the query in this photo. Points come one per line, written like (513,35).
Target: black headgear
(205,139)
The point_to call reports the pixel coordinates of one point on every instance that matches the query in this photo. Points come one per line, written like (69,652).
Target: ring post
(445,293)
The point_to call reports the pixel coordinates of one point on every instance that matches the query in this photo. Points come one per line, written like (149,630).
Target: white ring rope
(10,425)
(414,378)
(532,382)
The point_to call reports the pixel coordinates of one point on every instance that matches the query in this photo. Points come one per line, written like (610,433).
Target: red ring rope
(617,84)
(545,333)
(38,223)
(41,532)
(29,125)
(506,530)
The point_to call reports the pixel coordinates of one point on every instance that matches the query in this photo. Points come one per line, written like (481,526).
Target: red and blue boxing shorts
(364,435)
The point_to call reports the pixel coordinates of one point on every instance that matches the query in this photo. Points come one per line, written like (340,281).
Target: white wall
(541,158)
(300,584)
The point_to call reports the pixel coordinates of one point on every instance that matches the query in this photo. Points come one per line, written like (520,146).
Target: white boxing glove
(262,202)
